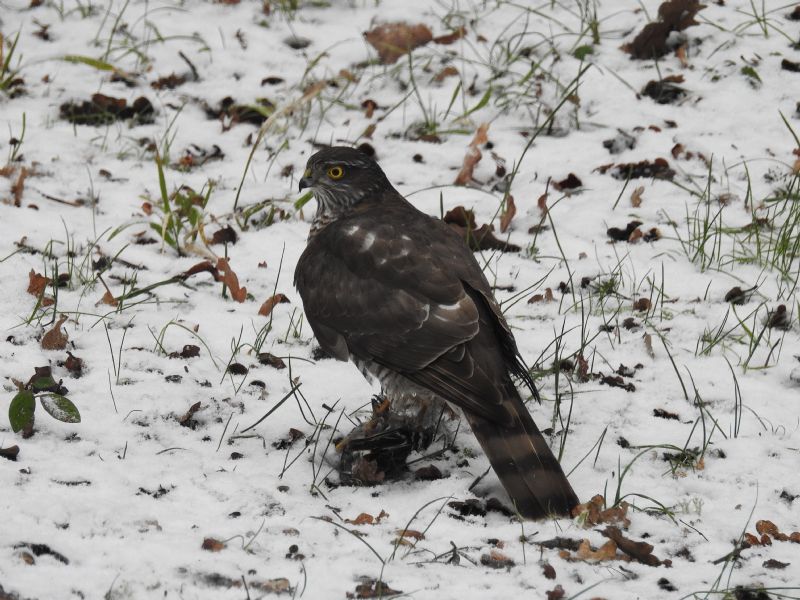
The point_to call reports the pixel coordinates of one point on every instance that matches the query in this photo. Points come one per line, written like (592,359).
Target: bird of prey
(400,294)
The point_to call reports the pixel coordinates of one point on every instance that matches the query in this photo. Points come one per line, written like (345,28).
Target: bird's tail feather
(524,463)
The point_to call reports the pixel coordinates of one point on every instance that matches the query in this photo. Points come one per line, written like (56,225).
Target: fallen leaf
(187,419)
(411,533)
(639,551)
(607,551)
(19,186)
(212,545)
(369,107)
(226,235)
(37,283)
(229,278)
(636,197)
(594,513)
(10,453)
(448,71)
(496,560)
(270,303)
(393,40)
(653,40)
(265,358)
(473,155)
(542,204)
(764,526)
(548,571)
(73,364)
(557,593)
(449,38)
(369,588)
(648,344)
(570,182)
(108,298)
(55,339)
(508,214)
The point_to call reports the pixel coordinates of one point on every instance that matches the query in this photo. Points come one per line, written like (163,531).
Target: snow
(128,494)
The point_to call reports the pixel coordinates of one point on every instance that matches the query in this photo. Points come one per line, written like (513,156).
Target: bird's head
(342,177)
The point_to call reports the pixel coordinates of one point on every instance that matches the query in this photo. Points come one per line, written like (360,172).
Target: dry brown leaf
(417,535)
(639,551)
(763,526)
(636,197)
(607,551)
(108,298)
(19,186)
(55,339)
(648,344)
(270,303)
(473,155)
(481,135)
(393,40)
(542,204)
(508,214)
(212,545)
(471,158)
(229,278)
(449,38)
(596,514)
(367,519)
(448,71)
(36,283)
(680,54)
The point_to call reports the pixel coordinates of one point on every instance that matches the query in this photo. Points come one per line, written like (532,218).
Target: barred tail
(524,463)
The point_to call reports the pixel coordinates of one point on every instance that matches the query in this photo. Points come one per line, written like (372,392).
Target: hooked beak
(306,181)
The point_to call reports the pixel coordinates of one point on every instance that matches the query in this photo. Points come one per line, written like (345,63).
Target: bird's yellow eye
(335,172)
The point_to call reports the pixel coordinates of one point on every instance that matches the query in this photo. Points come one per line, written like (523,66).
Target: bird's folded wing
(396,295)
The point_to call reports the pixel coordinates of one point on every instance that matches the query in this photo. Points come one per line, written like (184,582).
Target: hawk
(400,294)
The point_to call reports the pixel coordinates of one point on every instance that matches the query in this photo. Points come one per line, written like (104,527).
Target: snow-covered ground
(142,500)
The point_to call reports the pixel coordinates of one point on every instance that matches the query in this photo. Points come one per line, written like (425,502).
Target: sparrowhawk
(401,295)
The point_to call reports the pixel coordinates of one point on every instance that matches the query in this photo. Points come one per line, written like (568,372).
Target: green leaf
(303,200)
(60,408)
(750,72)
(45,382)
(20,411)
(92,62)
(481,103)
(582,52)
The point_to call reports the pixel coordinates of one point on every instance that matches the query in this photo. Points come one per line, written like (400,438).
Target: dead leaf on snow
(55,339)
(448,71)
(596,514)
(19,186)
(393,40)
(473,155)
(636,197)
(229,278)
(449,38)
(108,298)
(497,560)
(270,303)
(36,283)
(212,545)
(508,214)
(607,551)
(639,551)
(542,204)
(369,588)
(367,519)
